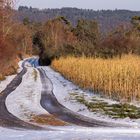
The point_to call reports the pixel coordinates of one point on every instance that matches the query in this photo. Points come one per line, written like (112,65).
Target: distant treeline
(107,19)
(57,37)
(52,33)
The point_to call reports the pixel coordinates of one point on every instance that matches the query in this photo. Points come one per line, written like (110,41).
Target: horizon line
(78,8)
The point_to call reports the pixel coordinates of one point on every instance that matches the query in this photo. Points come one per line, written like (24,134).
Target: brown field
(115,78)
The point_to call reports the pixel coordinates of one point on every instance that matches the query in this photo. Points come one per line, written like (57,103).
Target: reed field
(116,78)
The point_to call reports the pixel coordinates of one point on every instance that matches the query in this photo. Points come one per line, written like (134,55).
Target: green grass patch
(115,111)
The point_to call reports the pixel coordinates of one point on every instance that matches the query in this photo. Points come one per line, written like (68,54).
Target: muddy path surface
(93,128)
(51,104)
(6,118)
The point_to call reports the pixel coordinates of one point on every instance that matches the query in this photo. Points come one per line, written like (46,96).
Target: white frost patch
(25,100)
(71,134)
(4,83)
(62,89)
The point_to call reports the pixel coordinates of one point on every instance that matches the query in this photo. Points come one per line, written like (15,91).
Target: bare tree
(6,16)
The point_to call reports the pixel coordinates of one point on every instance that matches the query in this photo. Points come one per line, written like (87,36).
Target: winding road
(6,118)
(48,101)
(51,104)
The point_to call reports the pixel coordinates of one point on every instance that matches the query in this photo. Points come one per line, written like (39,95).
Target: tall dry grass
(115,78)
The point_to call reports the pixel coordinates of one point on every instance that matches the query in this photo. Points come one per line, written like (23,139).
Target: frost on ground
(63,89)
(4,83)
(71,133)
(24,102)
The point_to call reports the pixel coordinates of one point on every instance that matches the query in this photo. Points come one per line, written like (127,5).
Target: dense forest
(57,37)
(52,33)
(107,19)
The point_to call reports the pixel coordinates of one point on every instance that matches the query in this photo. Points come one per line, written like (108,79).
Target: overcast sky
(88,4)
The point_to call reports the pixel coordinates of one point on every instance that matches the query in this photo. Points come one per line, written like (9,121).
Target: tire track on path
(51,104)
(6,118)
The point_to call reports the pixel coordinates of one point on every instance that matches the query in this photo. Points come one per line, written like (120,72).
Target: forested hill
(107,19)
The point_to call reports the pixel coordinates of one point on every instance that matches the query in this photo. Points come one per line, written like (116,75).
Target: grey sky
(88,4)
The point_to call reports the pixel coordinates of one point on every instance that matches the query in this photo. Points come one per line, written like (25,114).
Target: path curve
(6,118)
(51,104)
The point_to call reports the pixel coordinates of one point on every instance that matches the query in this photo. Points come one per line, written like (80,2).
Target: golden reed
(115,78)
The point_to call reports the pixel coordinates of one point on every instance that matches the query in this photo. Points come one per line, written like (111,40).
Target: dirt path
(51,104)
(6,118)
(48,102)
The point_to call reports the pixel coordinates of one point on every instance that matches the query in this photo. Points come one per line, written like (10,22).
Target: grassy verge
(2,77)
(47,120)
(116,111)
(8,68)
(116,78)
